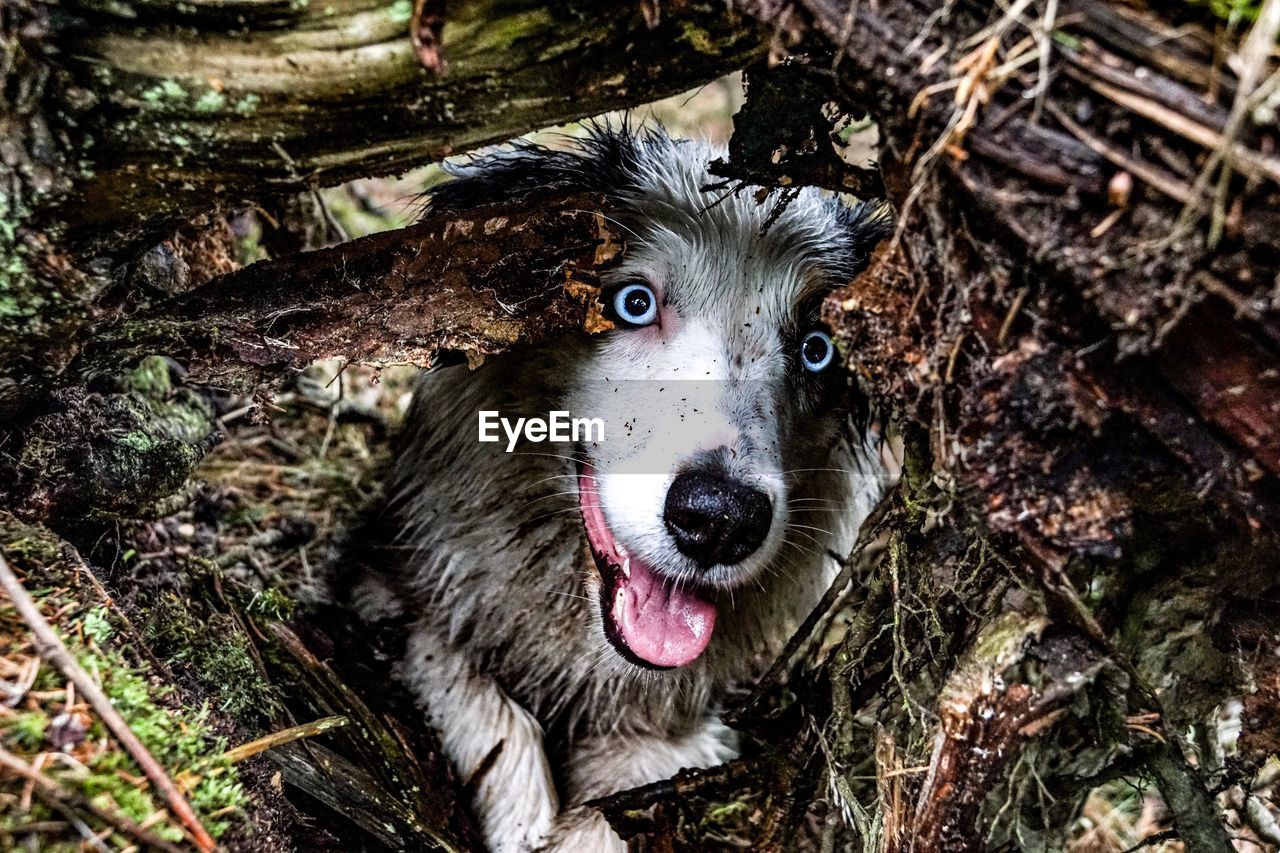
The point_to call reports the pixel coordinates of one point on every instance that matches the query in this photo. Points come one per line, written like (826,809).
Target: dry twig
(50,647)
(51,792)
(305,730)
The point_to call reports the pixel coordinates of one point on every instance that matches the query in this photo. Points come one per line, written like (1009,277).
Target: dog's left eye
(817,351)
(635,305)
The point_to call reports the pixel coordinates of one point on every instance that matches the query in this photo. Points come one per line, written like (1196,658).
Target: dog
(577,614)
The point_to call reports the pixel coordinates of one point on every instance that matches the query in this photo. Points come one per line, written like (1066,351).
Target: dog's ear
(864,225)
(606,160)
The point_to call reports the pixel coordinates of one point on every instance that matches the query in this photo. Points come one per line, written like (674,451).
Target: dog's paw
(581,830)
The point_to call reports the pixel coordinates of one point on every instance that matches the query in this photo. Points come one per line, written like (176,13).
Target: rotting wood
(476,281)
(1057,341)
(124,123)
(986,713)
(399,768)
(1120,295)
(353,793)
(247,99)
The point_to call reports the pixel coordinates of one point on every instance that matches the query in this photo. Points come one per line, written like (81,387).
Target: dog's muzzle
(649,618)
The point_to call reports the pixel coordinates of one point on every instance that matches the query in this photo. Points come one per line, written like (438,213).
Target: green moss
(698,38)
(216,653)
(1234,11)
(166,91)
(27,729)
(185,746)
(211,101)
(247,104)
(272,603)
(150,377)
(147,455)
(97,626)
(400,11)
(180,739)
(21,297)
(138,441)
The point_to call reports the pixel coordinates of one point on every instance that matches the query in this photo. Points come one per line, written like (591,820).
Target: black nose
(715,520)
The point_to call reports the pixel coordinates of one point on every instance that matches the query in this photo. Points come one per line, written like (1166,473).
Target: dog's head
(721,392)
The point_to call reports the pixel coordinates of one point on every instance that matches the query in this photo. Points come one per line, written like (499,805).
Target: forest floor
(270,501)
(171,625)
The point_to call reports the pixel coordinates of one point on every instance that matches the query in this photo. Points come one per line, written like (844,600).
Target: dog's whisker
(550,495)
(798,546)
(610,219)
(572,459)
(808,536)
(550,478)
(811,527)
(562,512)
(809,500)
(569,594)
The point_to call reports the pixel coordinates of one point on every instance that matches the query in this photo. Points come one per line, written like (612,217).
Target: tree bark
(475,282)
(124,121)
(196,103)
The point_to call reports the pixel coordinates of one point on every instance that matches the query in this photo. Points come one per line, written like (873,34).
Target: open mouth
(648,618)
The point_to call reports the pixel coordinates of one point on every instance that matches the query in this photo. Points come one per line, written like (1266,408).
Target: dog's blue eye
(636,305)
(817,351)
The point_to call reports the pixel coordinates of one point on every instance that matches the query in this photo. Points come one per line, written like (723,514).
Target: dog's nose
(716,520)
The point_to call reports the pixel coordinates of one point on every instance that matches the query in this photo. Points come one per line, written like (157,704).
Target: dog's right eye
(634,305)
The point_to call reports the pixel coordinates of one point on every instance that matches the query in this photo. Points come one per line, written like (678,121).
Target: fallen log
(472,282)
(129,121)
(475,281)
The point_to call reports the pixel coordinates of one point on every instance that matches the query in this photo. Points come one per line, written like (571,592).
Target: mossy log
(196,103)
(116,452)
(472,282)
(125,120)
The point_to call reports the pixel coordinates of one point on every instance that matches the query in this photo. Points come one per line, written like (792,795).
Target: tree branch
(477,281)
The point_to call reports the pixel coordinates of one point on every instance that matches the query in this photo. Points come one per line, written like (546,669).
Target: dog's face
(721,391)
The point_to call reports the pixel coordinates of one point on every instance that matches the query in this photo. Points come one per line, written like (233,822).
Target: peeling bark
(477,282)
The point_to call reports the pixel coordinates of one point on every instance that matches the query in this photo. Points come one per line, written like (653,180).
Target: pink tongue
(659,623)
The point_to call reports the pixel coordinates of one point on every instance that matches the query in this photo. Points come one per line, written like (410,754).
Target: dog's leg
(610,764)
(493,742)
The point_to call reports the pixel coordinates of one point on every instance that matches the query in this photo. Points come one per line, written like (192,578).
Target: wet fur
(489,566)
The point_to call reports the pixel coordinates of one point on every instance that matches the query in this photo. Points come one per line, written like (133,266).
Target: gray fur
(491,569)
